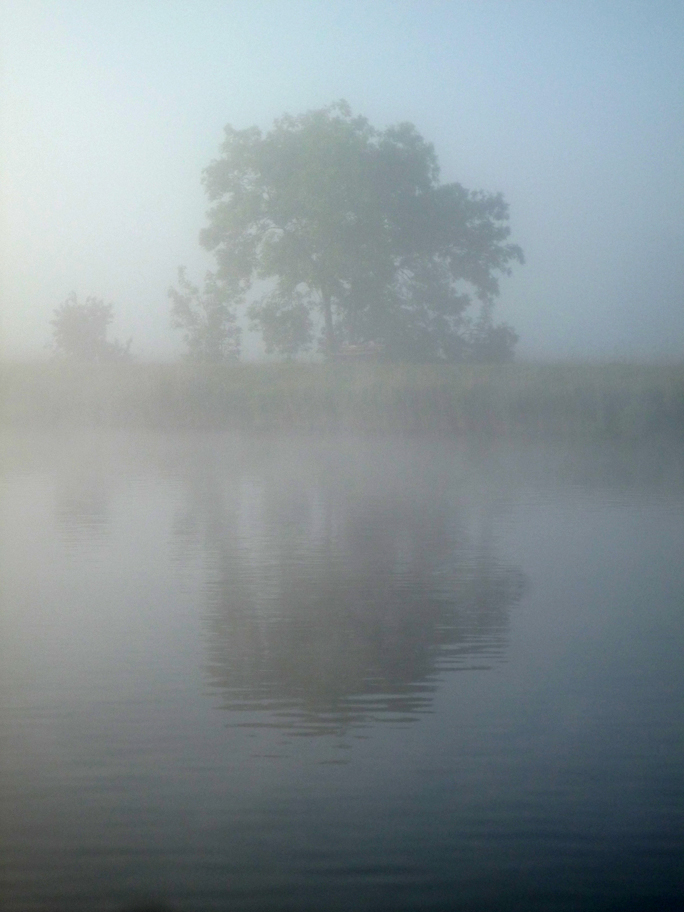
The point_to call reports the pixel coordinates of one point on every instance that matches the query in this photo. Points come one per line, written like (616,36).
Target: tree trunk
(330,338)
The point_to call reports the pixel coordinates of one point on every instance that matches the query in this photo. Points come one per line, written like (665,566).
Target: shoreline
(556,400)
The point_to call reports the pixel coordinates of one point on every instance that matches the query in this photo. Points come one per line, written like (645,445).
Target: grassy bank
(619,400)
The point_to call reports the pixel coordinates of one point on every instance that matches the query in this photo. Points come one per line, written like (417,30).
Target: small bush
(79,331)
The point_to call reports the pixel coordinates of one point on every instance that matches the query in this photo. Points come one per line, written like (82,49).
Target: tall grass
(619,400)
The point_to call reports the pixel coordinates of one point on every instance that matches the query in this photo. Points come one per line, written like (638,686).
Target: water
(301,674)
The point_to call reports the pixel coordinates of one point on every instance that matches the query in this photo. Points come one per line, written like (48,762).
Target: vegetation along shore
(629,401)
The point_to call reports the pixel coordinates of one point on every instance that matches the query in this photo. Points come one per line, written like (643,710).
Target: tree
(80,330)
(359,240)
(206,319)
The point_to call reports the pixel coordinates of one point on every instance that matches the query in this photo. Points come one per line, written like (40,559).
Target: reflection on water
(486,643)
(82,508)
(338,589)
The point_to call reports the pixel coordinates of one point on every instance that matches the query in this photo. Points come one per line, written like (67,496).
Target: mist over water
(395,623)
(277,671)
(342,581)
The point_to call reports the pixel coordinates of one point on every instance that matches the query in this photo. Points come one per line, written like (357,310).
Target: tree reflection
(337,593)
(82,512)
(82,502)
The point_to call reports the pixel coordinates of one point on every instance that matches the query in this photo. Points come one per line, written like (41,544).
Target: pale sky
(109,111)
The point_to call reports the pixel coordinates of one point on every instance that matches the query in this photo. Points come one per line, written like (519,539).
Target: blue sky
(575,111)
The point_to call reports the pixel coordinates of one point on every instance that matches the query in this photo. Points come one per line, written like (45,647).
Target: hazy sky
(575,111)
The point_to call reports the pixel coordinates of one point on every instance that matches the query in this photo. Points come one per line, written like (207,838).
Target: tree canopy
(357,238)
(79,331)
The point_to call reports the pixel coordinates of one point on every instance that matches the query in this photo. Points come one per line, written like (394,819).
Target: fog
(574,111)
(246,672)
(402,636)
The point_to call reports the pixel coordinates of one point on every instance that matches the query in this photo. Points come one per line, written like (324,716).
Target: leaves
(285,323)
(358,240)
(206,319)
(79,331)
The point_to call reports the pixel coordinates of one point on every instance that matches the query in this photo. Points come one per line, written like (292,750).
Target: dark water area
(279,673)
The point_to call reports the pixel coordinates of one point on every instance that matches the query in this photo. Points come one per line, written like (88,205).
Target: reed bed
(559,400)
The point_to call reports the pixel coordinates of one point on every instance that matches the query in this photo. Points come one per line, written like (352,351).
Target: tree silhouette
(359,240)
(209,325)
(79,331)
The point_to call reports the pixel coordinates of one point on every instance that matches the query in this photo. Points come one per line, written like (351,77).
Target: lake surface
(278,673)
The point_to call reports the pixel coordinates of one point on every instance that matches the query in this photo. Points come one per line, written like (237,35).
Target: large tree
(358,239)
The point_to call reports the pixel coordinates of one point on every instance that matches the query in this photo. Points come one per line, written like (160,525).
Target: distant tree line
(356,245)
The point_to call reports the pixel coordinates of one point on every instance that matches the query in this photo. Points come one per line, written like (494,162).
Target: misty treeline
(332,236)
(358,244)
